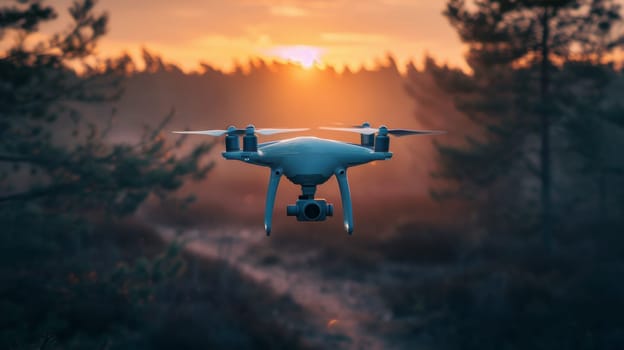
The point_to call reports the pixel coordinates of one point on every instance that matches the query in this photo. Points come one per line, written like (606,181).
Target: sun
(306,56)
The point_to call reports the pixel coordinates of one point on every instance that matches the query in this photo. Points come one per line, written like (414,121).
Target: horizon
(315,33)
(249,64)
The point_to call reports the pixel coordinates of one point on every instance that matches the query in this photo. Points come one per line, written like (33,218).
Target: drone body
(308,162)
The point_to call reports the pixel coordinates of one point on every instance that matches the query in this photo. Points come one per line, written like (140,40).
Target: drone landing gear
(274,180)
(307,207)
(345,195)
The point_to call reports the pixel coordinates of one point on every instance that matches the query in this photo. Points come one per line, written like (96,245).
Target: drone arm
(345,195)
(276,174)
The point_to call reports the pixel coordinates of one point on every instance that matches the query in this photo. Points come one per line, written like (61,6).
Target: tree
(593,129)
(56,166)
(517,51)
(40,100)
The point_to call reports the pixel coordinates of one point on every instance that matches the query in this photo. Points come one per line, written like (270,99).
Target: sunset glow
(306,56)
(311,33)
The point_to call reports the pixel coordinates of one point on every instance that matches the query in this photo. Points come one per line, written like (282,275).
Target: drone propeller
(234,131)
(367,130)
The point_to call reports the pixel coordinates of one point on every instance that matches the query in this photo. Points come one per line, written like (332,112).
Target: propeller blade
(229,131)
(203,132)
(358,130)
(406,132)
(278,131)
(233,131)
(395,132)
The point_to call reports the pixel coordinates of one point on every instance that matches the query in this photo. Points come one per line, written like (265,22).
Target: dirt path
(342,311)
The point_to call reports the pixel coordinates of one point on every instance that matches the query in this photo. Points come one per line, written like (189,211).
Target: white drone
(309,161)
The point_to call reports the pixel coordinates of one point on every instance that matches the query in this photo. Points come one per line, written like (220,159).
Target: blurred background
(503,233)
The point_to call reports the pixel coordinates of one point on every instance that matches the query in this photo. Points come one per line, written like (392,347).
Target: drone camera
(310,210)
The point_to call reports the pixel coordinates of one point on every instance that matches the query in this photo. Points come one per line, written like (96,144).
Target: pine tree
(57,169)
(70,161)
(517,51)
(593,130)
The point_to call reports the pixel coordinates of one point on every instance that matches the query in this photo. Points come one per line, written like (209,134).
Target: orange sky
(336,32)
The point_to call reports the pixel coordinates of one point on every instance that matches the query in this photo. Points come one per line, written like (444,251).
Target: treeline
(153,62)
(263,92)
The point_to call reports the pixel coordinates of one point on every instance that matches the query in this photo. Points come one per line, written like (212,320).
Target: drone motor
(231,143)
(250,143)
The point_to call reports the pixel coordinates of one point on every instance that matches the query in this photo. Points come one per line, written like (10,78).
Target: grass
(117,285)
(211,305)
(509,293)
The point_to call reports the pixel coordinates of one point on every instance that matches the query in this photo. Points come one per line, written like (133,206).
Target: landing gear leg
(276,174)
(345,195)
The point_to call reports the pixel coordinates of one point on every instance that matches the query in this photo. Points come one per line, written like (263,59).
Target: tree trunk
(545,134)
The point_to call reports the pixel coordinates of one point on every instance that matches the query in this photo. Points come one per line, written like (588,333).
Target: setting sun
(337,34)
(306,56)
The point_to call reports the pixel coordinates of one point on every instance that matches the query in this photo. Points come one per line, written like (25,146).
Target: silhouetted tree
(43,129)
(56,165)
(593,129)
(515,92)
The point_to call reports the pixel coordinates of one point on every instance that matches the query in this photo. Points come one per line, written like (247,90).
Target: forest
(503,233)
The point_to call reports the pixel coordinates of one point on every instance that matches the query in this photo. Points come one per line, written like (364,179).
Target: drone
(309,162)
